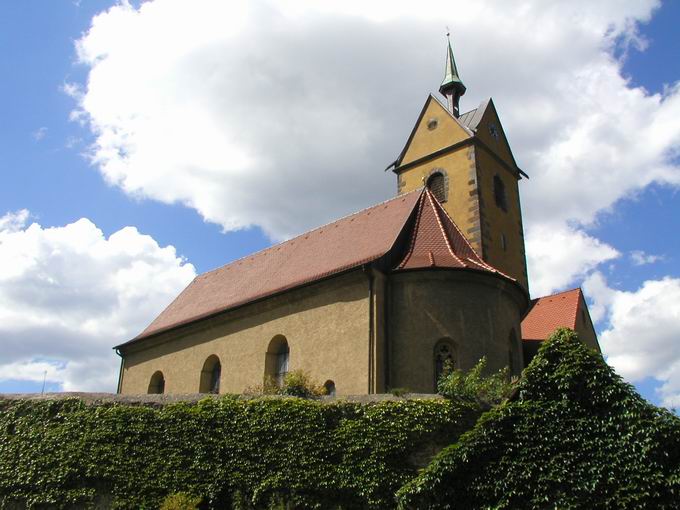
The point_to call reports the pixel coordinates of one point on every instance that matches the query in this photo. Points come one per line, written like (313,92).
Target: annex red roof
(549,313)
(436,241)
(433,241)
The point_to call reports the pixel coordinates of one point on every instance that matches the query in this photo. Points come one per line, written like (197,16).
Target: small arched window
(436,183)
(443,359)
(211,375)
(277,359)
(157,383)
(499,193)
(329,386)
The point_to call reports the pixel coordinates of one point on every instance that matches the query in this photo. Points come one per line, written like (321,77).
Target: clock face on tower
(493,131)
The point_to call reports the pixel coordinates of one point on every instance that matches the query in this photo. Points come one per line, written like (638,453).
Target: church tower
(466,161)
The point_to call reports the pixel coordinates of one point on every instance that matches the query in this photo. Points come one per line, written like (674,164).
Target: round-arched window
(329,386)
(278,356)
(436,183)
(157,383)
(443,359)
(211,375)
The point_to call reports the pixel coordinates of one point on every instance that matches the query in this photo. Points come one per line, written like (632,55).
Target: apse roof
(436,241)
(433,241)
(549,313)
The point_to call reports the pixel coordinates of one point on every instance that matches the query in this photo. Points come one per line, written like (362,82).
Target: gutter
(120,373)
(371,336)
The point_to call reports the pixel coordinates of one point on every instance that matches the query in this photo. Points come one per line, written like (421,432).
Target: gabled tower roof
(436,241)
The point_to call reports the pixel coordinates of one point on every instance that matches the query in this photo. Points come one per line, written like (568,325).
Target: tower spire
(452,87)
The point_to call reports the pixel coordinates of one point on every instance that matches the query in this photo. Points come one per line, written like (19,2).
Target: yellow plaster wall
(476,312)
(496,221)
(426,141)
(500,146)
(326,325)
(585,328)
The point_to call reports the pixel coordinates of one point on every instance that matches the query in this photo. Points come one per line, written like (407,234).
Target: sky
(142,143)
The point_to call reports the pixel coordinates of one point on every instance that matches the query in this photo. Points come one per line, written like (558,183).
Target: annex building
(381,298)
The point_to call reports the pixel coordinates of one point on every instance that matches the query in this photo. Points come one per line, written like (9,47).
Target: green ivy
(233,453)
(576,436)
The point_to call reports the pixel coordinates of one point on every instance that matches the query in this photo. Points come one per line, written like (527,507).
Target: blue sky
(59,167)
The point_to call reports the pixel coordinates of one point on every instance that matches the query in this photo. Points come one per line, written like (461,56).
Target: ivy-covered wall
(573,436)
(576,436)
(230,452)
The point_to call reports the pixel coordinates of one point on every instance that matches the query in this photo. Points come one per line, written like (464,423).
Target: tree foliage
(576,436)
(475,386)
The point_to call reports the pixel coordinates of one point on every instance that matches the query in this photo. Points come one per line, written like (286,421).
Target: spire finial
(452,87)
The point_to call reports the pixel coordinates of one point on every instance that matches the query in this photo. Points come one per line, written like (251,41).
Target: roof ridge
(480,261)
(412,242)
(287,241)
(560,292)
(441,228)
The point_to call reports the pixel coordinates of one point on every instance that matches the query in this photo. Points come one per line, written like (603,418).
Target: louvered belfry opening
(437,185)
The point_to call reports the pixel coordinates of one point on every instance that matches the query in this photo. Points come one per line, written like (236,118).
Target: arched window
(513,354)
(157,383)
(210,375)
(443,359)
(436,183)
(329,386)
(276,362)
(499,193)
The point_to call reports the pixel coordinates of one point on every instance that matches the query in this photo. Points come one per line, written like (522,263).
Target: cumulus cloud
(642,338)
(557,256)
(283,115)
(68,294)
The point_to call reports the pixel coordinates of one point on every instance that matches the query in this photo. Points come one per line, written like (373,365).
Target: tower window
(499,193)
(504,242)
(436,183)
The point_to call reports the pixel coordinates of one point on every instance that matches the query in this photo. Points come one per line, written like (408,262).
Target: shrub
(180,501)
(473,386)
(298,383)
(577,436)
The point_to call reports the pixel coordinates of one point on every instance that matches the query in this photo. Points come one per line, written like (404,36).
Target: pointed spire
(452,87)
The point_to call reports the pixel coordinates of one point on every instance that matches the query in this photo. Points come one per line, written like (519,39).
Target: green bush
(576,436)
(473,386)
(180,501)
(258,453)
(298,383)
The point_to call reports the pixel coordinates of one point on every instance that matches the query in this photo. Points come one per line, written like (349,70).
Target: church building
(381,298)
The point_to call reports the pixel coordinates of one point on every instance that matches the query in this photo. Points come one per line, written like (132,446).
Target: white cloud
(39,133)
(68,294)
(640,258)
(14,221)
(283,115)
(643,336)
(559,255)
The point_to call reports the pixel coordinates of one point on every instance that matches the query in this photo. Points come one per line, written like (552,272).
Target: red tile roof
(549,313)
(346,243)
(361,238)
(436,241)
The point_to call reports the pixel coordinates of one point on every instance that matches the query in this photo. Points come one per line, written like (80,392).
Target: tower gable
(435,129)
(489,130)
